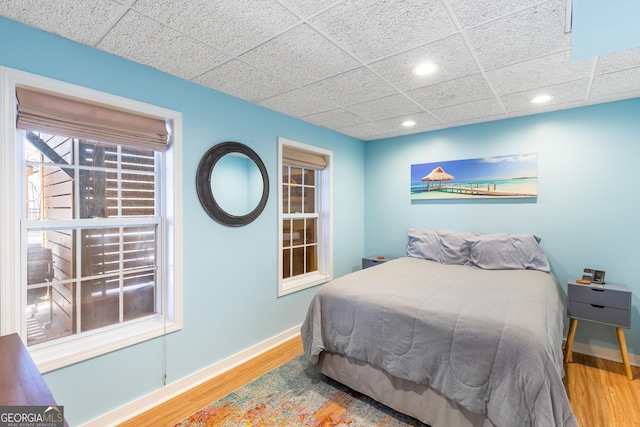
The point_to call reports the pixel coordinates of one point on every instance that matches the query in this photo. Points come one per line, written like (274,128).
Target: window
(95,219)
(305,216)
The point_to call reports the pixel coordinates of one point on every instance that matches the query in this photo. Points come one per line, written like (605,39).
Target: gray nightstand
(370,261)
(609,304)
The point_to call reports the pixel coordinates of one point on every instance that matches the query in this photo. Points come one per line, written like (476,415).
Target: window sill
(77,349)
(289,286)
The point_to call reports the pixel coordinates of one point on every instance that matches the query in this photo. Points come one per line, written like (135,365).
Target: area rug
(295,395)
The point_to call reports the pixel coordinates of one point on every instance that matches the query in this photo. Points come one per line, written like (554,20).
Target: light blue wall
(586,211)
(230,274)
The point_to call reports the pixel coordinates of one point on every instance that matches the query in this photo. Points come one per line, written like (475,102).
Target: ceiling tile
(393,127)
(533,32)
(471,110)
(618,61)
(306,8)
(452,92)
(450,53)
(143,40)
(422,119)
(385,108)
(475,120)
(373,29)
(297,103)
(470,13)
(613,97)
(366,130)
(539,72)
(230,26)
(89,17)
(243,81)
(352,87)
(564,93)
(300,56)
(335,119)
(619,82)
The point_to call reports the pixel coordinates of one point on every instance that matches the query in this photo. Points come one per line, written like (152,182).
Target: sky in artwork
(482,169)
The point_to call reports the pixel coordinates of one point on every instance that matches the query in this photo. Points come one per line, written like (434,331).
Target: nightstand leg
(568,357)
(623,350)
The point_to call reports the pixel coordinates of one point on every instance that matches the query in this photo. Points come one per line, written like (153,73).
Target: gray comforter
(487,339)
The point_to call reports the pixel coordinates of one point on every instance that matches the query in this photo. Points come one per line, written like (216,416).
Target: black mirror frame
(203,184)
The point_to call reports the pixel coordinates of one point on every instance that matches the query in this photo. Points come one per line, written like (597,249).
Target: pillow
(454,247)
(508,252)
(423,244)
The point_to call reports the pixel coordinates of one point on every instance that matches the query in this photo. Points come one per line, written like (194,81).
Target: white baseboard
(155,398)
(603,353)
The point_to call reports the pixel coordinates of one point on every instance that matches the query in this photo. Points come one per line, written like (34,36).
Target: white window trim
(325,205)
(77,348)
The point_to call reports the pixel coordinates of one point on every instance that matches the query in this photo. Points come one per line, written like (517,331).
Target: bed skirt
(416,400)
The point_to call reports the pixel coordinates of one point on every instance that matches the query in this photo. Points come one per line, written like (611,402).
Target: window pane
(51,248)
(296,176)
(56,193)
(309,177)
(285,199)
(312,259)
(97,155)
(137,159)
(309,199)
(286,263)
(285,174)
(286,233)
(93,187)
(138,247)
(100,251)
(311,231)
(48,317)
(47,148)
(296,200)
(298,232)
(100,304)
(139,295)
(137,196)
(298,261)
(49,302)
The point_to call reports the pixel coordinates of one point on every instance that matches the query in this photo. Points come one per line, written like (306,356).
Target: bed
(466,330)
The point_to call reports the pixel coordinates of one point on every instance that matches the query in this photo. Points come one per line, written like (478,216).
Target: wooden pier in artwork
(475,190)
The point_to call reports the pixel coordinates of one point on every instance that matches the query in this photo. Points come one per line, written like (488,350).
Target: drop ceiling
(347,65)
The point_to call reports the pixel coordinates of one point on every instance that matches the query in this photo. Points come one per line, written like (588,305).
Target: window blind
(294,157)
(45,112)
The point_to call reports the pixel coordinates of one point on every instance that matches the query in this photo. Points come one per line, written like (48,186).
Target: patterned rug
(294,395)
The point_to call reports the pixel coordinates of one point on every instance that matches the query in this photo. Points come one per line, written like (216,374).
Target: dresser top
(606,286)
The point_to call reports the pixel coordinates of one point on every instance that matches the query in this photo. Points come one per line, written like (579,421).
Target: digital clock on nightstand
(609,304)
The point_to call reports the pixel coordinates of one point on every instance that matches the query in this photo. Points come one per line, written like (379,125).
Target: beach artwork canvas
(514,176)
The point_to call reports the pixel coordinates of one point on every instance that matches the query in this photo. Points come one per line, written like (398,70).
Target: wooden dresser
(21,384)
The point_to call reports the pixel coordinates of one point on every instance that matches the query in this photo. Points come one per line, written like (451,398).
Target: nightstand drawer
(598,313)
(369,262)
(599,296)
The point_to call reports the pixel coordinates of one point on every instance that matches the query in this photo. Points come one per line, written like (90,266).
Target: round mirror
(232,184)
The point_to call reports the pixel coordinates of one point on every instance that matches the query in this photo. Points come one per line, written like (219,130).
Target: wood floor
(601,395)
(177,409)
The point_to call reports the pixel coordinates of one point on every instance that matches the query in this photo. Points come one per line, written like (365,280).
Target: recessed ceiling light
(408,123)
(541,99)
(425,68)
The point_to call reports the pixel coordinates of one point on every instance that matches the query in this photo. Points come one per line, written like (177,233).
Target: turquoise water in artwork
(516,187)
